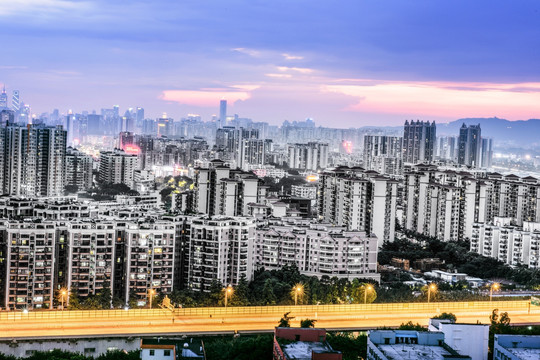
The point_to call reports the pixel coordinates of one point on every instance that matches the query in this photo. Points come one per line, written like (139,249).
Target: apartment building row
(317,250)
(131,257)
(502,240)
(37,259)
(446,203)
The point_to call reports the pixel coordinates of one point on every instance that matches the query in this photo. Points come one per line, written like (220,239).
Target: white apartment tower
(359,200)
(117,167)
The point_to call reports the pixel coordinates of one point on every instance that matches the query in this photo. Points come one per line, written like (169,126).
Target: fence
(88,315)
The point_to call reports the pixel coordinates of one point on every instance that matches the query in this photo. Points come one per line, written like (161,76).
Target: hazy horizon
(362,63)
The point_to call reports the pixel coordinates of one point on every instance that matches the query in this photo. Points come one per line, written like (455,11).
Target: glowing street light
(298,291)
(151,294)
(494,286)
(367,287)
(63,294)
(431,287)
(228,292)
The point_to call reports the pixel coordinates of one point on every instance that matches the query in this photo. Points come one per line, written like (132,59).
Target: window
(166,352)
(152,352)
(89,350)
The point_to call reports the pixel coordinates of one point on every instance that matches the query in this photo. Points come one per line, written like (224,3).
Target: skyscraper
(3,99)
(15,101)
(470,144)
(222,113)
(419,141)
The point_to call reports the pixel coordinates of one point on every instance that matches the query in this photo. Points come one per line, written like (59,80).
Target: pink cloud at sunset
(209,96)
(447,99)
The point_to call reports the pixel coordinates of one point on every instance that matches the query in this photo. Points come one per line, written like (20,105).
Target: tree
(500,324)
(361,292)
(104,296)
(285,321)
(71,189)
(307,323)
(240,295)
(446,316)
(411,326)
(74,301)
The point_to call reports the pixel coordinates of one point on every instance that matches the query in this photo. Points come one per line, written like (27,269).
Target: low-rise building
(516,347)
(408,344)
(303,344)
(172,349)
(467,339)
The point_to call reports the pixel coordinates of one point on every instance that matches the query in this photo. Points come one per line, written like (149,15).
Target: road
(244,319)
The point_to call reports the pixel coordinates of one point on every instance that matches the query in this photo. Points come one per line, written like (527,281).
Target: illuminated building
(220,248)
(165,126)
(150,254)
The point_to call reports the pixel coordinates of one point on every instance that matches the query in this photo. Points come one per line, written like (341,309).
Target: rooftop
(303,349)
(414,352)
(525,354)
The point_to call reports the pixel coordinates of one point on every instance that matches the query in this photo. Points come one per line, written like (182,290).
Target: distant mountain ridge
(521,133)
(505,133)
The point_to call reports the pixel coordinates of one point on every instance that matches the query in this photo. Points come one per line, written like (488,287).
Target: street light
(431,287)
(151,293)
(494,286)
(63,293)
(228,292)
(298,291)
(367,287)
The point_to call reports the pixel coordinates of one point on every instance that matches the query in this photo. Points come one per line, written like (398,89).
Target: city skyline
(362,63)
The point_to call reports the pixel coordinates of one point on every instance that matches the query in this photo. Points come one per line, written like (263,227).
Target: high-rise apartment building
(358,200)
(220,190)
(383,154)
(32,160)
(150,254)
(419,141)
(28,265)
(79,168)
(221,249)
(469,146)
(447,148)
(117,167)
(486,153)
(310,156)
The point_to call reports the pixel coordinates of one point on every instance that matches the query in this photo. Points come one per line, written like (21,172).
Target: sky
(345,63)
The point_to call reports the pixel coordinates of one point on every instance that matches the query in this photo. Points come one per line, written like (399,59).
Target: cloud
(42,7)
(13,67)
(295,69)
(250,52)
(292,57)
(446,99)
(281,76)
(209,96)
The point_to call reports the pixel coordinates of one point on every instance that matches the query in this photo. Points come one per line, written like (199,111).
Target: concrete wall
(88,347)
